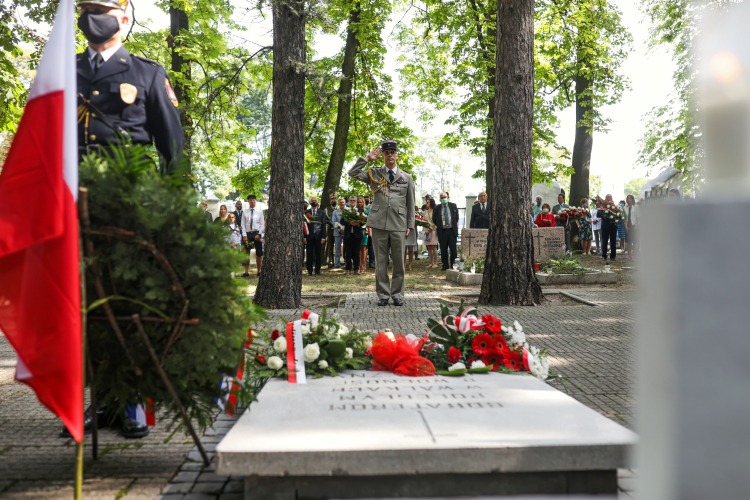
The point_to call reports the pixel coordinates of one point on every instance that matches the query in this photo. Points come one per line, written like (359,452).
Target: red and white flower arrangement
(466,343)
(609,210)
(420,219)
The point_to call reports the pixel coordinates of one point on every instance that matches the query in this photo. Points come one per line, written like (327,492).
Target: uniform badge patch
(128,93)
(170,92)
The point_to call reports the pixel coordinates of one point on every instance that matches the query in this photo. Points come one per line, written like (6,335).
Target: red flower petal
(454,355)
(483,344)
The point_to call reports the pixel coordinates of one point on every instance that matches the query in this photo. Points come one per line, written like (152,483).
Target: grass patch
(122,493)
(419,279)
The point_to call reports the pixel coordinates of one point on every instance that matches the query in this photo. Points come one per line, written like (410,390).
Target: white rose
(457,366)
(323,364)
(280,345)
(305,328)
(477,364)
(311,352)
(274,363)
(349,353)
(368,343)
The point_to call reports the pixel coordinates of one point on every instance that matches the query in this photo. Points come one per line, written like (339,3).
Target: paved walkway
(591,347)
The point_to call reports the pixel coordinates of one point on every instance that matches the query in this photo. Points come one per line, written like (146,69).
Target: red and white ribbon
(295,359)
(311,317)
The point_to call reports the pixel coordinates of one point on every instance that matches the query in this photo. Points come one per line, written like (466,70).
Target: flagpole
(82,193)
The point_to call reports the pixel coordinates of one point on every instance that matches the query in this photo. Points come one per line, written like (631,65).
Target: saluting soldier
(391,217)
(121,94)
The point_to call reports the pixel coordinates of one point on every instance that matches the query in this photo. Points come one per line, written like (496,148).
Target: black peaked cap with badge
(117,4)
(134,94)
(389,144)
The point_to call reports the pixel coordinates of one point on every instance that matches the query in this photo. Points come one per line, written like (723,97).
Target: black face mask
(98,28)
(314,204)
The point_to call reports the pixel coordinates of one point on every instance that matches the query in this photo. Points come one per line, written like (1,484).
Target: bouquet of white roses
(329,347)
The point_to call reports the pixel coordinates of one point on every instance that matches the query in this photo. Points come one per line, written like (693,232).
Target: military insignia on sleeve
(170,92)
(401,181)
(128,93)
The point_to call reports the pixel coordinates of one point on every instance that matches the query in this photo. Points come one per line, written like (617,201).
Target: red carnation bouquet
(609,210)
(465,343)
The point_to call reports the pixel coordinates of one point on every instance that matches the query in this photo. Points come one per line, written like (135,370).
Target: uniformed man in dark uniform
(121,94)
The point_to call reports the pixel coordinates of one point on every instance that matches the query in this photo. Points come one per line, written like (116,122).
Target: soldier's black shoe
(101,421)
(398,302)
(133,429)
(382,302)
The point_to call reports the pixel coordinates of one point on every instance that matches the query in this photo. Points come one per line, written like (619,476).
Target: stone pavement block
(210,477)
(170,497)
(177,488)
(185,477)
(199,496)
(210,488)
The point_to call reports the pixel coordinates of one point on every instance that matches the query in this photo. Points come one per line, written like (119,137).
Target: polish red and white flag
(40,294)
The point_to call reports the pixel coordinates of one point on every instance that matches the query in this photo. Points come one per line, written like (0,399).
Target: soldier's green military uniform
(391,213)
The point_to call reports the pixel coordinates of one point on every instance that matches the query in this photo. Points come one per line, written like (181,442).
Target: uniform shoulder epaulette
(146,59)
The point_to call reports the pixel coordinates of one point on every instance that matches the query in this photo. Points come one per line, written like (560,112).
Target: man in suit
(316,235)
(391,218)
(445,218)
(253,226)
(609,234)
(480,213)
(238,213)
(120,94)
(330,241)
(555,210)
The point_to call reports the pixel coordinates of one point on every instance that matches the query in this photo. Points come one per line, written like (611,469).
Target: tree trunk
(579,181)
(343,116)
(179,24)
(491,35)
(509,268)
(280,283)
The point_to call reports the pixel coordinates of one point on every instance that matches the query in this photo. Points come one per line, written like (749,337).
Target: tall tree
(343,114)
(280,283)
(179,28)
(509,277)
(582,44)
(449,63)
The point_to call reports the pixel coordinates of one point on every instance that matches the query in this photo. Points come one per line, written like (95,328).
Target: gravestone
(378,435)
(548,241)
(474,243)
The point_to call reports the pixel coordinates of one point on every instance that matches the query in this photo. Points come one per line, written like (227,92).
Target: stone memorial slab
(548,241)
(474,243)
(592,277)
(378,435)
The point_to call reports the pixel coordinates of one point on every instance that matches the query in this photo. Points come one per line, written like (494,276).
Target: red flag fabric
(40,298)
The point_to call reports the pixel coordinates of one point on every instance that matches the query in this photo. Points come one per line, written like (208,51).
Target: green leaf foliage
(126,193)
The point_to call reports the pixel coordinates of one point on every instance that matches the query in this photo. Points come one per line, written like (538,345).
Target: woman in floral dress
(585,234)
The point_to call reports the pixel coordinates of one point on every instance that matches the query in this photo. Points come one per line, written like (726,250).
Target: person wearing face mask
(536,207)
(584,229)
(545,218)
(122,94)
(330,241)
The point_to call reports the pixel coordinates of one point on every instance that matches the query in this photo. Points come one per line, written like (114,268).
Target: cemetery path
(590,346)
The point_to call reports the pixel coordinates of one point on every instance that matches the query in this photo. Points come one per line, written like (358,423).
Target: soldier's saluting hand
(120,94)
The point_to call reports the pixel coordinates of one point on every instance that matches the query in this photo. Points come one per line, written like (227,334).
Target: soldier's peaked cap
(389,144)
(115,4)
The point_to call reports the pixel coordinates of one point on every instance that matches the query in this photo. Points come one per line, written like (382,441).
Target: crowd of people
(592,228)
(338,243)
